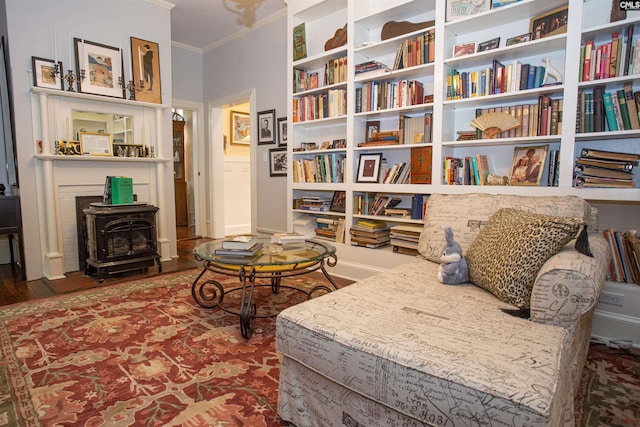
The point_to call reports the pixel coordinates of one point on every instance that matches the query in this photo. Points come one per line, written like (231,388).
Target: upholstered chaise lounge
(401,349)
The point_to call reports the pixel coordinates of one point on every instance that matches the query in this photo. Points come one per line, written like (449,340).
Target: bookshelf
(451,116)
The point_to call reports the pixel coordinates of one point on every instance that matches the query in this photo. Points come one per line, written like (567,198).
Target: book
(609,164)
(299,42)
(244,241)
(617,112)
(598,109)
(482,163)
(631,106)
(252,251)
(609,112)
(287,238)
(591,181)
(624,110)
(609,155)
(584,170)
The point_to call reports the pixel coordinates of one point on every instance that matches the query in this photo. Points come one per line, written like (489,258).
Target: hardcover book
(244,241)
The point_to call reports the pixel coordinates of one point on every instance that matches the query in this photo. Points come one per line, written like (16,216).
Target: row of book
(618,57)
(363,204)
(370,233)
(330,103)
(540,119)
(417,51)
(411,130)
(398,173)
(625,256)
(601,111)
(601,168)
(498,78)
(335,71)
(466,171)
(376,96)
(327,167)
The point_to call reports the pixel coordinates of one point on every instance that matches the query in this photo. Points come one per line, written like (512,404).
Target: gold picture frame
(145,70)
(528,165)
(240,131)
(96,144)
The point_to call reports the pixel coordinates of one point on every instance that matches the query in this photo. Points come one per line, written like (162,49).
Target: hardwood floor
(14,290)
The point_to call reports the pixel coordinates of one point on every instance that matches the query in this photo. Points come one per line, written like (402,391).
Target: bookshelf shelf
(451,117)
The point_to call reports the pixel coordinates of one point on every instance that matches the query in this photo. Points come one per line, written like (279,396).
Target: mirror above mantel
(120,126)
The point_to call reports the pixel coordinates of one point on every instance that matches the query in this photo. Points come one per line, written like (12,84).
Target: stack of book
(405,237)
(241,246)
(371,68)
(625,256)
(600,168)
(370,233)
(388,137)
(316,203)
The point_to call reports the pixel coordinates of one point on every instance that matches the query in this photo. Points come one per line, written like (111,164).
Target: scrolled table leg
(248,309)
(207,294)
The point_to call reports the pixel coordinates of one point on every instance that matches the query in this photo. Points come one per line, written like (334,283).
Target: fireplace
(120,238)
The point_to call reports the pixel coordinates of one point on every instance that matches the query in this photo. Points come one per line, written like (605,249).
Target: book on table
(252,251)
(243,241)
(287,238)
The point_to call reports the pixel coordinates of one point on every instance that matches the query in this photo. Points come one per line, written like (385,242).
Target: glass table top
(271,254)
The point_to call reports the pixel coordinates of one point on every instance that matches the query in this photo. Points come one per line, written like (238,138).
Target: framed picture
(145,70)
(102,67)
(489,44)
(458,9)
(240,128)
(373,126)
(369,167)
(338,201)
(44,73)
(282,131)
(266,126)
(549,23)
(277,162)
(528,165)
(519,39)
(463,49)
(96,144)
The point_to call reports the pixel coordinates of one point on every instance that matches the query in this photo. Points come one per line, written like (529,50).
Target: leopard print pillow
(511,248)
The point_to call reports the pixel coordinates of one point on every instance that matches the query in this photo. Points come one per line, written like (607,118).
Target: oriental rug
(143,353)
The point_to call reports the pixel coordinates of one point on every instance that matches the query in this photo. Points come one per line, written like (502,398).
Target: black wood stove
(120,238)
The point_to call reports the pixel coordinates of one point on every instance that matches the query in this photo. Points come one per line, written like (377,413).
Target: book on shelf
(625,256)
(609,155)
(249,252)
(370,225)
(631,106)
(552,172)
(418,205)
(589,181)
(582,170)
(609,164)
(243,241)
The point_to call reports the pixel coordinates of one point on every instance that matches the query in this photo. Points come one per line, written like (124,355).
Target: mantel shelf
(79,95)
(65,158)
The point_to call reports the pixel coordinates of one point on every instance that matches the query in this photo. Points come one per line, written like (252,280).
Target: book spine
(624,109)
(616,110)
(598,109)
(609,112)
(631,106)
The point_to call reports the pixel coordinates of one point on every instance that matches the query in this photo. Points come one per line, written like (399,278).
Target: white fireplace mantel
(61,177)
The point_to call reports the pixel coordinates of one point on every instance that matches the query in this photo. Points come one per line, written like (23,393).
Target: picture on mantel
(145,70)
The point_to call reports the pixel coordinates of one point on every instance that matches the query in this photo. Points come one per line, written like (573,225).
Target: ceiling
(203,24)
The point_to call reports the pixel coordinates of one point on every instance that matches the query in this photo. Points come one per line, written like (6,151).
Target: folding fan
(495,122)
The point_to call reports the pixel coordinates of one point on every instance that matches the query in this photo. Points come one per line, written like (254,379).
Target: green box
(121,190)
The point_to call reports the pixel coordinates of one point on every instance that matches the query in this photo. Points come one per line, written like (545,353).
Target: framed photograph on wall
(102,66)
(96,144)
(277,162)
(282,131)
(145,69)
(550,23)
(369,167)
(240,128)
(266,127)
(527,165)
(44,73)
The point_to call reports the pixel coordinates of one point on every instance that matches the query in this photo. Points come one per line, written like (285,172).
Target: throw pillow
(509,251)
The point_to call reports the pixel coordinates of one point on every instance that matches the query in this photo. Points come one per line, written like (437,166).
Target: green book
(624,109)
(609,113)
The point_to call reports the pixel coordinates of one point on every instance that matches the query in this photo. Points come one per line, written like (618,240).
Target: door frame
(216,159)
(197,160)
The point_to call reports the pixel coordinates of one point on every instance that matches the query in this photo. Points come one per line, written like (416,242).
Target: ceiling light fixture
(245,9)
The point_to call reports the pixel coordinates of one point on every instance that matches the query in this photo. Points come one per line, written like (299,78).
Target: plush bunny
(453,269)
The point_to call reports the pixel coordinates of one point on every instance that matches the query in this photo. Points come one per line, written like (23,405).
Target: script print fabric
(137,355)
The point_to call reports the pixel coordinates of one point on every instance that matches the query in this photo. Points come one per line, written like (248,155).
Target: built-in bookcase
(451,115)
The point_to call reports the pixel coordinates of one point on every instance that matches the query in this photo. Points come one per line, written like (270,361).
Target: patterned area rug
(610,388)
(143,353)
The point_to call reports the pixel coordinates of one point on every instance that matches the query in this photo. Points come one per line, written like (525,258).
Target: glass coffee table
(273,262)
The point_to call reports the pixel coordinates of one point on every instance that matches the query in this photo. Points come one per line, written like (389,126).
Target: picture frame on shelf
(266,127)
(299,42)
(458,9)
(277,162)
(308,146)
(282,132)
(338,202)
(44,73)
(372,127)
(528,165)
(96,144)
(240,128)
(494,43)
(464,49)
(518,39)
(549,23)
(103,68)
(145,70)
(369,167)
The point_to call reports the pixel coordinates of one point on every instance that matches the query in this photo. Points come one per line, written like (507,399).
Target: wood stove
(120,238)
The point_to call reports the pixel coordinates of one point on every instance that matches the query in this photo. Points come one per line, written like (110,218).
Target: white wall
(31,25)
